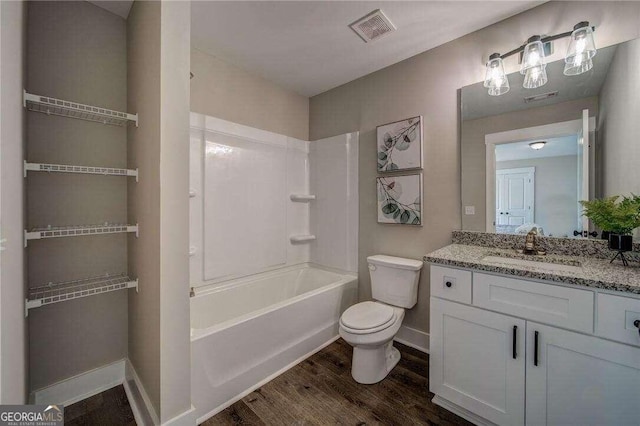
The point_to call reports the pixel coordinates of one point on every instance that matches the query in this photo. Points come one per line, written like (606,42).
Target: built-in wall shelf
(53,106)
(69,290)
(90,170)
(302,198)
(77,231)
(297,239)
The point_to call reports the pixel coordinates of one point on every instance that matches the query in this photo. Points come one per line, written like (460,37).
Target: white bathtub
(247,331)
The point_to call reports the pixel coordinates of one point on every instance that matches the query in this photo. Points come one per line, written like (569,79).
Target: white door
(515,190)
(480,365)
(575,379)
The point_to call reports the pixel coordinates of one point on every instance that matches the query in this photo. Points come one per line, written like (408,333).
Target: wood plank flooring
(109,408)
(320,391)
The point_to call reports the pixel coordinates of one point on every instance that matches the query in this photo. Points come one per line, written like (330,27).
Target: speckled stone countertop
(594,272)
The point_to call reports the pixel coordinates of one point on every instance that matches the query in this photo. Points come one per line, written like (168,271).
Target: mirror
(530,155)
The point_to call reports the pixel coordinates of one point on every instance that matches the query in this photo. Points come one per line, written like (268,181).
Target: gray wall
(619,123)
(76,51)
(428,84)
(158,65)
(224,91)
(143,54)
(556,192)
(13,325)
(473,148)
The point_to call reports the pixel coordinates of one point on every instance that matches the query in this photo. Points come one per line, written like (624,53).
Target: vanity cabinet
(477,360)
(580,380)
(535,353)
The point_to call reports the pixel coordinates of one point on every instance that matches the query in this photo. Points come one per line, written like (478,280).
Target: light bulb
(581,50)
(535,77)
(495,78)
(533,56)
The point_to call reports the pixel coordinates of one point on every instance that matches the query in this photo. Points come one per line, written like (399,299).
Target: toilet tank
(394,280)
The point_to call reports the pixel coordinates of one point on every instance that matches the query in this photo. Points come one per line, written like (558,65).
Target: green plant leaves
(610,214)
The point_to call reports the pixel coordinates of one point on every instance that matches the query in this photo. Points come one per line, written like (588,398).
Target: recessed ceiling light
(537,145)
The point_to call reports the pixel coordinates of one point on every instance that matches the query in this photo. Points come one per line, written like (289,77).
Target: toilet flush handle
(372,267)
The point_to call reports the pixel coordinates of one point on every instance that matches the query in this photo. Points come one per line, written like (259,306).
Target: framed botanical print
(400,145)
(400,199)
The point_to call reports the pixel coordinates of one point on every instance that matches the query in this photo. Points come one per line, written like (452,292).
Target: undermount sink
(548,264)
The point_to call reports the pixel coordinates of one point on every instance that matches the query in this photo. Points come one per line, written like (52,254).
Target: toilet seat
(367,318)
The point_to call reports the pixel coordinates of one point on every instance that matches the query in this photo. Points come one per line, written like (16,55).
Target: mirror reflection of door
(540,179)
(514,198)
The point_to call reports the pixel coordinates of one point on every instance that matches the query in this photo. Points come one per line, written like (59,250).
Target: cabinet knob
(636,324)
(449,284)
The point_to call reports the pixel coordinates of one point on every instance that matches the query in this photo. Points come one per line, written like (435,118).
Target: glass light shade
(533,56)
(577,68)
(537,145)
(535,77)
(581,50)
(495,78)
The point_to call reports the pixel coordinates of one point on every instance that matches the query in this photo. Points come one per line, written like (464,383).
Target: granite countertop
(594,272)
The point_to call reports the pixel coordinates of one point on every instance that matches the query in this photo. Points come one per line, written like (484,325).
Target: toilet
(371,326)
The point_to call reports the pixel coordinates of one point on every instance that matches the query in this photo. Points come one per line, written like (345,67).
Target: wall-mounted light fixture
(537,145)
(578,60)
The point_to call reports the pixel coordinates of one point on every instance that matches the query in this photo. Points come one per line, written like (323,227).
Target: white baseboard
(232,401)
(82,386)
(413,338)
(188,418)
(462,412)
(139,400)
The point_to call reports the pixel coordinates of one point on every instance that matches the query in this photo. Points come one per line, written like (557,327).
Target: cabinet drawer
(616,316)
(451,284)
(561,306)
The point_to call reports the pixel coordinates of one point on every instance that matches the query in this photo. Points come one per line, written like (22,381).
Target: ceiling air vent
(540,97)
(373,26)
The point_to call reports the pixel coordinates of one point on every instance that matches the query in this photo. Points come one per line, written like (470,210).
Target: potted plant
(617,215)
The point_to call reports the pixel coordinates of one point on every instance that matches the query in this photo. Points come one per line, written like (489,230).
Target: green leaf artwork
(400,145)
(400,199)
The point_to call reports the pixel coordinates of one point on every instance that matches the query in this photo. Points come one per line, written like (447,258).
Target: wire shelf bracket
(53,106)
(90,170)
(77,231)
(69,290)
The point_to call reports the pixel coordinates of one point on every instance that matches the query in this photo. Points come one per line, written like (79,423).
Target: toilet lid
(367,315)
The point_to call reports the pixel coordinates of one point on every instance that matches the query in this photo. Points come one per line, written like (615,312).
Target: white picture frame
(399,145)
(400,199)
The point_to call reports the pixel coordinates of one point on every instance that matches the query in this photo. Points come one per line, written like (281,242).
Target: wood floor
(320,391)
(109,408)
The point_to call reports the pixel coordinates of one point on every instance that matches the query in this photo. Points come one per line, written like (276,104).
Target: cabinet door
(477,361)
(580,380)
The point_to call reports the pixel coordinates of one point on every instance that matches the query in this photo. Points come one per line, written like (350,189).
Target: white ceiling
(307,46)
(555,147)
(119,7)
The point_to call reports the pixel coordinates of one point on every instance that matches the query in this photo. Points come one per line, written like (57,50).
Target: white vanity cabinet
(520,352)
(477,360)
(580,380)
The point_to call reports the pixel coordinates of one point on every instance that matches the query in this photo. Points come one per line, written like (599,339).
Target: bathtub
(247,331)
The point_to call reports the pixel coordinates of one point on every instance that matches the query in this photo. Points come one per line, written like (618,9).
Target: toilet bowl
(370,328)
